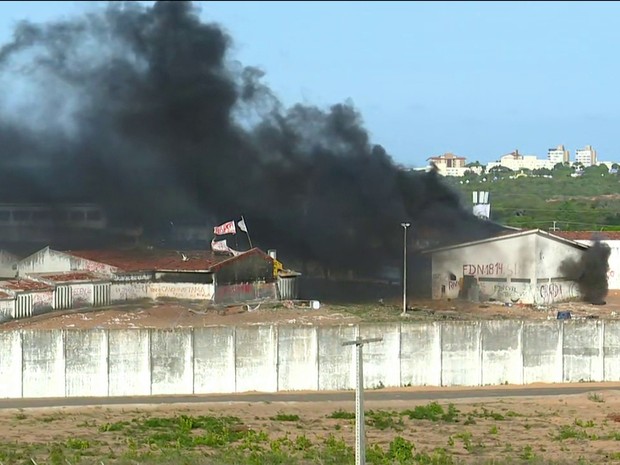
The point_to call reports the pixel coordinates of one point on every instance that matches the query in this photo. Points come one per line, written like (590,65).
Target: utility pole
(360,436)
(405,226)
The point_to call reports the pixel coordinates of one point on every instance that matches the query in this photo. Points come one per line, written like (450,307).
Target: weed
(594,397)
(285,417)
(568,432)
(527,453)
(342,414)
(20,416)
(493,430)
(584,424)
(382,420)
(433,412)
(77,444)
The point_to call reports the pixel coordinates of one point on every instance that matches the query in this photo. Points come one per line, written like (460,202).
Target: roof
(589,235)
(503,236)
(446,156)
(24,285)
(132,260)
(69,276)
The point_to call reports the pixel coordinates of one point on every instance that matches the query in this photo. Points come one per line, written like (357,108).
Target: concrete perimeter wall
(269,358)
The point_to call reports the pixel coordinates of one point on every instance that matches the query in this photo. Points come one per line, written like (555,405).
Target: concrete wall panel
(171,362)
(298,358)
(82,295)
(214,360)
(7,309)
(502,359)
(381,365)
(611,348)
(123,291)
(129,362)
(582,350)
(420,354)
(460,357)
(43,364)
(336,363)
(86,363)
(10,364)
(542,352)
(256,357)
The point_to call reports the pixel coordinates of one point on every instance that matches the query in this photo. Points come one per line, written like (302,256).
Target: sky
(478,79)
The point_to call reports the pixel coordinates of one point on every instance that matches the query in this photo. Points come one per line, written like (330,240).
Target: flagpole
(247,231)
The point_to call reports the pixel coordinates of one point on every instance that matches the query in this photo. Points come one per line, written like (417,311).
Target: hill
(566,198)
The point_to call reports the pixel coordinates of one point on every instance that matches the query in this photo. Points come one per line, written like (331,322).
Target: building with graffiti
(51,280)
(527,267)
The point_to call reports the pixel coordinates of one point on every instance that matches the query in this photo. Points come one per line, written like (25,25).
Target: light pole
(360,434)
(405,226)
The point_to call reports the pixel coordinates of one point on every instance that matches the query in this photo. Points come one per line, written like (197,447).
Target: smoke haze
(590,272)
(142,110)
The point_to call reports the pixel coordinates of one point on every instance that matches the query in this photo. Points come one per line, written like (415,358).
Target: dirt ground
(562,429)
(187,314)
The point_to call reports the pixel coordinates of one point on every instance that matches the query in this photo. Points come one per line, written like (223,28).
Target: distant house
(449,164)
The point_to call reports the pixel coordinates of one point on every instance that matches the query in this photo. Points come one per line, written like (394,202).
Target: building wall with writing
(503,269)
(82,295)
(553,258)
(187,291)
(525,269)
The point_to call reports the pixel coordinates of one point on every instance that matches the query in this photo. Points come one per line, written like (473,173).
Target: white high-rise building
(558,155)
(586,156)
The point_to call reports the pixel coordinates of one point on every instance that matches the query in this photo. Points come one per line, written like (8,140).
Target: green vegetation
(226,440)
(530,200)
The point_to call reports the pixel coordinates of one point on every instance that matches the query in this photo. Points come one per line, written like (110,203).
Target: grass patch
(285,417)
(342,415)
(433,412)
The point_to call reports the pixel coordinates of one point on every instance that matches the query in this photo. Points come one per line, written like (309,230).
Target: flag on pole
(242,225)
(220,246)
(226,228)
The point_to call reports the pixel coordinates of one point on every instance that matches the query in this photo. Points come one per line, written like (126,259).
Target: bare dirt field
(573,429)
(186,314)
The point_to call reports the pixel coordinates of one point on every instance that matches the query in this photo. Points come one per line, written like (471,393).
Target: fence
(222,359)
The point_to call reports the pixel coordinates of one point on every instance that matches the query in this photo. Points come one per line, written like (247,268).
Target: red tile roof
(70,276)
(133,260)
(588,235)
(24,285)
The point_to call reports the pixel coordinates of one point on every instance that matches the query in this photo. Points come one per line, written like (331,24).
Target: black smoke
(142,109)
(590,272)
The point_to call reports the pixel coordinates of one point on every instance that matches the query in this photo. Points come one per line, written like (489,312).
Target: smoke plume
(142,110)
(590,272)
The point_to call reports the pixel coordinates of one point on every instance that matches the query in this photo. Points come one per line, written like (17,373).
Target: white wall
(287,358)
(496,265)
(47,260)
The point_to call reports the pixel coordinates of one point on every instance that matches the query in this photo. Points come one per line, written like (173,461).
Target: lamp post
(405,226)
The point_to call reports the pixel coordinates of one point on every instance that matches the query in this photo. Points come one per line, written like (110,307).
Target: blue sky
(475,78)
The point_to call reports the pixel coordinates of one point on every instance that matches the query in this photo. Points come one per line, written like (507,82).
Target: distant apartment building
(558,155)
(449,164)
(516,162)
(586,156)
